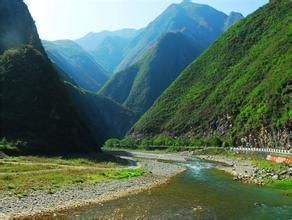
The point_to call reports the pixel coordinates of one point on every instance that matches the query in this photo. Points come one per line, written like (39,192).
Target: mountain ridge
(79,64)
(238,90)
(148,78)
(178,17)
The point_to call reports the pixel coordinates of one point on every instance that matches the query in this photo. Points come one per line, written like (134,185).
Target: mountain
(111,52)
(239,90)
(141,84)
(202,23)
(167,54)
(36,111)
(15,32)
(105,118)
(232,19)
(78,63)
(93,40)
(108,48)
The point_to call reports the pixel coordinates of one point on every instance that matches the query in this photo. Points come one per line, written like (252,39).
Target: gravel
(244,171)
(42,202)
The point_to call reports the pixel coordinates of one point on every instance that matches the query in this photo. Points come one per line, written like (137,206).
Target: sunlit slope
(140,85)
(239,89)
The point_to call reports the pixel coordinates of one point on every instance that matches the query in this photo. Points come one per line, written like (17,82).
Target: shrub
(214,141)
(112,143)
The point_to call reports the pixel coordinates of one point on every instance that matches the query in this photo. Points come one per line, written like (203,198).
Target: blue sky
(72,19)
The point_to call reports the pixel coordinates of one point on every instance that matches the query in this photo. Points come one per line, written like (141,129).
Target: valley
(187,116)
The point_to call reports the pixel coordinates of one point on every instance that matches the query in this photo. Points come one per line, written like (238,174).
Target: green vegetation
(238,88)
(36,112)
(40,103)
(283,184)
(24,174)
(163,142)
(108,48)
(122,174)
(201,23)
(260,162)
(8,148)
(95,160)
(23,184)
(77,63)
(16,168)
(17,28)
(105,117)
(141,84)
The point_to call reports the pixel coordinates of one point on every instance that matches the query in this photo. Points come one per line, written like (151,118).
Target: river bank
(246,171)
(41,203)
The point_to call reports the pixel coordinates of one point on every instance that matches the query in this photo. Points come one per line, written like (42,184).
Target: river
(201,192)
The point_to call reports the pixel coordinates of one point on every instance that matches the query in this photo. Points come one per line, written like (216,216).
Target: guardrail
(266,150)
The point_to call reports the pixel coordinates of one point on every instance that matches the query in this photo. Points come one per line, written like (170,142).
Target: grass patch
(78,170)
(15,168)
(96,160)
(270,165)
(122,174)
(50,181)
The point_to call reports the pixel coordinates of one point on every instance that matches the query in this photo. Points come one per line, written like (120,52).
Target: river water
(201,192)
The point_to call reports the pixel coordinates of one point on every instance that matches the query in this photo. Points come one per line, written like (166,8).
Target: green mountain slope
(108,48)
(105,117)
(36,112)
(238,90)
(232,19)
(140,85)
(17,30)
(79,64)
(111,52)
(202,23)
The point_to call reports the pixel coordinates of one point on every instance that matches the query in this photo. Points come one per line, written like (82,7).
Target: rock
(258,204)
(275,177)
(3,216)
(2,155)
(283,172)
(198,209)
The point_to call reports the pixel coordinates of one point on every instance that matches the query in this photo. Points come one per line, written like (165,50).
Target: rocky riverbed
(245,171)
(42,203)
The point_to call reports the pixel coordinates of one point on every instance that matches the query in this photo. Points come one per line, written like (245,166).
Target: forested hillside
(105,118)
(239,90)
(78,63)
(36,112)
(165,47)
(140,85)
(202,23)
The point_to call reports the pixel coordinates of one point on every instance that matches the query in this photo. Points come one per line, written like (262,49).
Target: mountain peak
(232,19)
(236,14)
(186,2)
